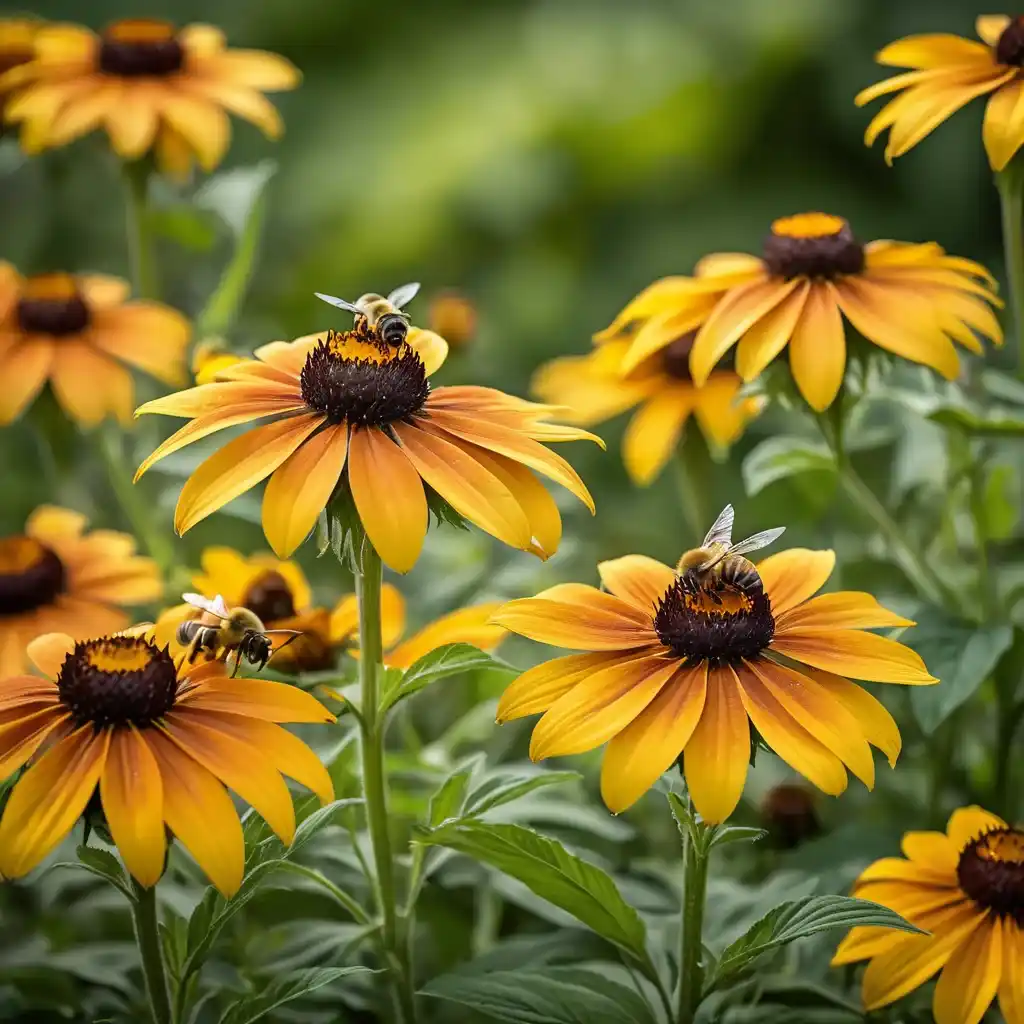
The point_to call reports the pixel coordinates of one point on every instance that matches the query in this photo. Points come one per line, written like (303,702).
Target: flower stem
(1010,183)
(692,482)
(140,243)
(147,935)
(375,787)
(691,927)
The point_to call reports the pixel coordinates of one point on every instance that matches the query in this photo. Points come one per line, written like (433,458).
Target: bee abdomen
(392,329)
(186,631)
(742,576)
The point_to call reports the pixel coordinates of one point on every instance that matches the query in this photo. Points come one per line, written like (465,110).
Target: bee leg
(238,662)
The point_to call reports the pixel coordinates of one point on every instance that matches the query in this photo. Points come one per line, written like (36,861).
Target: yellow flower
(149,85)
(17,37)
(56,576)
(947,73)
(594,389)
(908,299)
(209,358)
(345,408)
(77,332)
(965,887)
(159,744)
(671,672)
(453,316)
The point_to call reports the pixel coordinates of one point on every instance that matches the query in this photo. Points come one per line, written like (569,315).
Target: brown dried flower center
(991,872)
(816,245)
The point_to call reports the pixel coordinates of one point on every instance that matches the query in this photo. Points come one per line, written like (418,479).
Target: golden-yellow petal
(654,431)
(970,980)
(967,823)
(768,336)
(640,580)
(47,652)
(258,698)
(471,625)
(849,652)
(847,609)
(791,577)
(1011,985)
(817,349)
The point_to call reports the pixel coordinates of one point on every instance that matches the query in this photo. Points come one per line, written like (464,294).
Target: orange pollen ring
(812,245)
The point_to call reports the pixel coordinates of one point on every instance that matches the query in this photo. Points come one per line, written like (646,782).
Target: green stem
(692,484)
(140,242)
(691,928)
(133,501)
(375,787)
(147,935)
(1010,183)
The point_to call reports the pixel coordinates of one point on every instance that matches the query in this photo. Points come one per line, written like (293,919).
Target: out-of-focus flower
(17,36)
(947,72)
(594,389)
(675,669)
(209,358)
(150,85)
(159,743)
(349,408)
(966,888)
(453,316)
(77,332)
(911,300)
(57,577)
(789,813)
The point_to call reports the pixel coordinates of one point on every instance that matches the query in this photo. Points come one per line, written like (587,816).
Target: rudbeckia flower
(344,410)
(78,332)
(593,389)
(910,300)
(58,577)
(947,72)
(453,316)
(672,672)
(159,744)
(966,888)
(151,86)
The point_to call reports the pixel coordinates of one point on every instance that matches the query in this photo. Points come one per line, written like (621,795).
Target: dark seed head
(991,872)
(31,575)
(118,680)
(52,304)
(815,245)
(675,357)
(270,597)
(139,48)
(789,812)
(1010,47)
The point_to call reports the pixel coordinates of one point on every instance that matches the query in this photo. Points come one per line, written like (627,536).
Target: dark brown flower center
(52,304)
(991,872)
(349,378)
(31,575)
(270,597)
(790,814)
(675,357)
(16,39)
(1010,47)
(139,47)
(118,680)
(812,245)
(311,652)
(708,622)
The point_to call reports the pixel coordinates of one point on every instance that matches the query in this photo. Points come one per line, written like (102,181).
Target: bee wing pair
(721,534)
(400,297)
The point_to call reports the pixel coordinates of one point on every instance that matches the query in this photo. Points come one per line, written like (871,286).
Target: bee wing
(404,294)
(340,303)
(757,541)
(215,607)
(721,529)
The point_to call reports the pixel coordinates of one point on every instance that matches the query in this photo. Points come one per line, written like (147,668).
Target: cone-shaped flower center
(675,357)
(699,628)
(991,872)
(51,304)
(812,245)
(140,47)
(31,575)
(349,378)
(270,597)
(1010,47)
(118,680)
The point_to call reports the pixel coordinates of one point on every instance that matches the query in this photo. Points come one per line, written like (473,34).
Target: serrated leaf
(506,787)
(554,995)
(442,662)
(780,457)
(318,820)
(105,865)
(800,919)
(284,990)
(549,870)
(447,800)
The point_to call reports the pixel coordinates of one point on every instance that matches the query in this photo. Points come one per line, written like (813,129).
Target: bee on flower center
(377,318)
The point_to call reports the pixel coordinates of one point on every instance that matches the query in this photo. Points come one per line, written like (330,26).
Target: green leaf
(960,655)
(971,424)
(549,870)
(725,834)
(185,226)
(554,995)
(284,990)
(780,457)
(448,799)
(999,505)
(442,662)
(505,787)
(105,865)
(318,820)
(799,919)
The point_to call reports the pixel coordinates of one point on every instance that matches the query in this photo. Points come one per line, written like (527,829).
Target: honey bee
(236,630)
(719,564)
(379,317)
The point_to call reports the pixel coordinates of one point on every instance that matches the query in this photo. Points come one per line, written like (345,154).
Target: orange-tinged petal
(768,337)
(237,764)
(238,466)
(301,487)
(716,757)
(465,626)
(25,369)
(389,497)
(47,652)
(654,740)
(217,397)
(199,811)
(49,798)
(817,349)
(849,652)
(848,609)
(1011,985)
(89,385)
(258,698)
(662,329)
(640,580)
(967,823)
(145,335)
(970,980)
(19,740)
(932,850)
(791,577)
(600,706)
(132,793)
(877,725)
(654,430)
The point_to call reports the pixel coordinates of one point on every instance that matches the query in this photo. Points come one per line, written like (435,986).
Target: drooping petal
(967,823)
(466,626)
(768,337)
(654,740)
(720,411)
(792,576)
(877,725)
(25,370)
(817,349)
(258,698)
(202,123)
(1003,129)
(388,494)
(654,431)
(1011,985)
(968,983)
(19,740)
(640,580)
(89,385)
(849,652)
